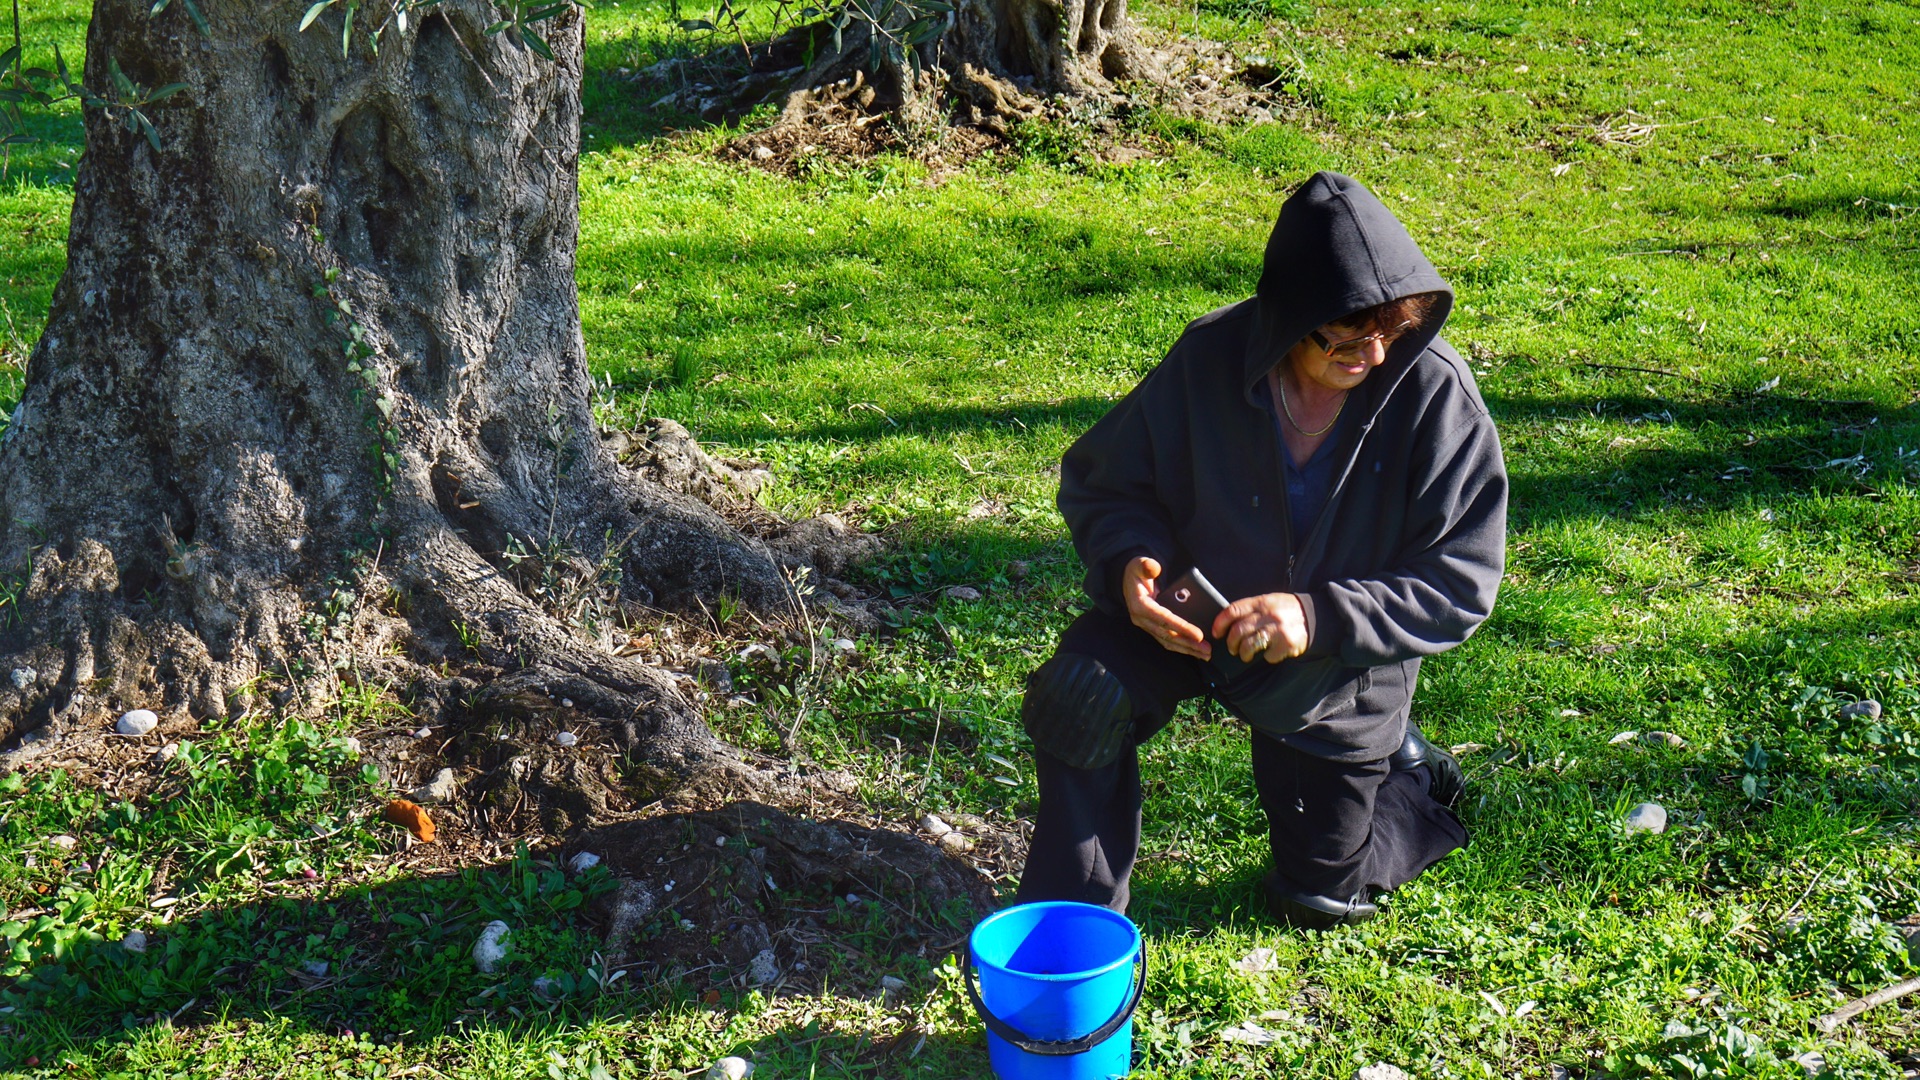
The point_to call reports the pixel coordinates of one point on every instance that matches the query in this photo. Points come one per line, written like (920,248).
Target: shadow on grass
(872,426)
(619,101)
(1756,448)
(395,962)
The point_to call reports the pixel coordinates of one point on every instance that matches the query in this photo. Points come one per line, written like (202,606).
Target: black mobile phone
(1192,597)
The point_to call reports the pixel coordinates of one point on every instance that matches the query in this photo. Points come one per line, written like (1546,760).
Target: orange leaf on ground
(412,818)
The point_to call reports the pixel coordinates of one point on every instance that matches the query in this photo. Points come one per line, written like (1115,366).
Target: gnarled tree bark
(994,61)
(328,332)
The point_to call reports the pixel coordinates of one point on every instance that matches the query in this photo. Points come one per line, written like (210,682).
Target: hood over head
(1337,250)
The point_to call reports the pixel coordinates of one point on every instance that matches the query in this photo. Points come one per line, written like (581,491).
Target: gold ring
(1260,641)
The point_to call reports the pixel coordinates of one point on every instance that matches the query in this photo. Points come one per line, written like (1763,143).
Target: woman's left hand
(1272,625)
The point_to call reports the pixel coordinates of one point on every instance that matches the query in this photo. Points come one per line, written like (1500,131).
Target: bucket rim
(1125,958)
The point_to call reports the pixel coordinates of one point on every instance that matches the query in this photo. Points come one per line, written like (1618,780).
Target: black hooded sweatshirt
(1407,555)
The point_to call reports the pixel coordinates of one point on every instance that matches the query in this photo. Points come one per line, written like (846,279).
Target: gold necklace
(1280,385)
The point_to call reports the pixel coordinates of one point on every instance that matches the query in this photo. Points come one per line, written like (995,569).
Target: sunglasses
(1353,346)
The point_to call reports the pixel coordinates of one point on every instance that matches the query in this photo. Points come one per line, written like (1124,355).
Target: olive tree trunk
(313,385)
(984,63)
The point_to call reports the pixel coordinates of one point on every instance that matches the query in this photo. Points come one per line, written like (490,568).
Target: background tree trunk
(313,383)
(994,60)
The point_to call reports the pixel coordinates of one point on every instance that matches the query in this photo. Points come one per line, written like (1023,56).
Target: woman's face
(1346,359)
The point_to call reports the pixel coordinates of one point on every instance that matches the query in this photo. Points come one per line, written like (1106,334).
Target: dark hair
(1415,309)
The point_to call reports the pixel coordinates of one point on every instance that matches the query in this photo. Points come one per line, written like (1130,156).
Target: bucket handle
(1062,1047)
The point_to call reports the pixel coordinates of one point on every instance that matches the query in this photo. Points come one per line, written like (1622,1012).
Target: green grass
(1720,545)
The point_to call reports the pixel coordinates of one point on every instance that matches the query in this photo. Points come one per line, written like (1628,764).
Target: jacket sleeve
(1450,565)
(1110,501)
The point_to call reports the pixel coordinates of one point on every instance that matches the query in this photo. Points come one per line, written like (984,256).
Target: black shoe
(1446,782)
(1306,911)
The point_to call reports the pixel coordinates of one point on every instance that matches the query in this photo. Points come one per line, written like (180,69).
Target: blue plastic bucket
(1059,982)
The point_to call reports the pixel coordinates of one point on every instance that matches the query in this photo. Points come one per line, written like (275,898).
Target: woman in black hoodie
(1324,458)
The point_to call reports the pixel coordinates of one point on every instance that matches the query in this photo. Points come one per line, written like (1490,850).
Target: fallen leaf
(1250,1033)
(1256,961)
(412,818)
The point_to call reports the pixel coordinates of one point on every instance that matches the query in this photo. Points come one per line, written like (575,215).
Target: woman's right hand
(1140,588)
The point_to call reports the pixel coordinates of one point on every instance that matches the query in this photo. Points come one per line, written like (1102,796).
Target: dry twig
(1831,1022)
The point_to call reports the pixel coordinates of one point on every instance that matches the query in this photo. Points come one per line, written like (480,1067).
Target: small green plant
(577,590)
(13,595)
(1725,1051)
(1753,783)
(361,358)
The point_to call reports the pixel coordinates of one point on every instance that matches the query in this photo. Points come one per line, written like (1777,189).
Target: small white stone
(892,984)
(762,153)
(63,841)
(1868,708)
(1665,738)
(720,841)
(1813,1063)
(844,646)
(1647,817)
(135,941)
(315,968)
(352,746)
(934,825)
(1559,1072)
(733,1068)
(583,862)
(956,843)
(1623,737)
(491,948)
(1381,1071)
(566,738)
(23,677)
(166,753)
(442,787)
(764,968)
(963,593)
(566,703)
(423,733)
(137,723)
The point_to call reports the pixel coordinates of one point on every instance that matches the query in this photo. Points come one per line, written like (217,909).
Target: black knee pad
(1077,710)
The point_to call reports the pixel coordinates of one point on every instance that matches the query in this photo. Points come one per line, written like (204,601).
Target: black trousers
(1336,829)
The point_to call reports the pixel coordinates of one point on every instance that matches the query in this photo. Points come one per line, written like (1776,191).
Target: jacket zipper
(1286,506)
(1333,491)
(1339,484)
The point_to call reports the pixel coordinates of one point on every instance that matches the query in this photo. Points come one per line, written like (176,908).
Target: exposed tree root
(998,61)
